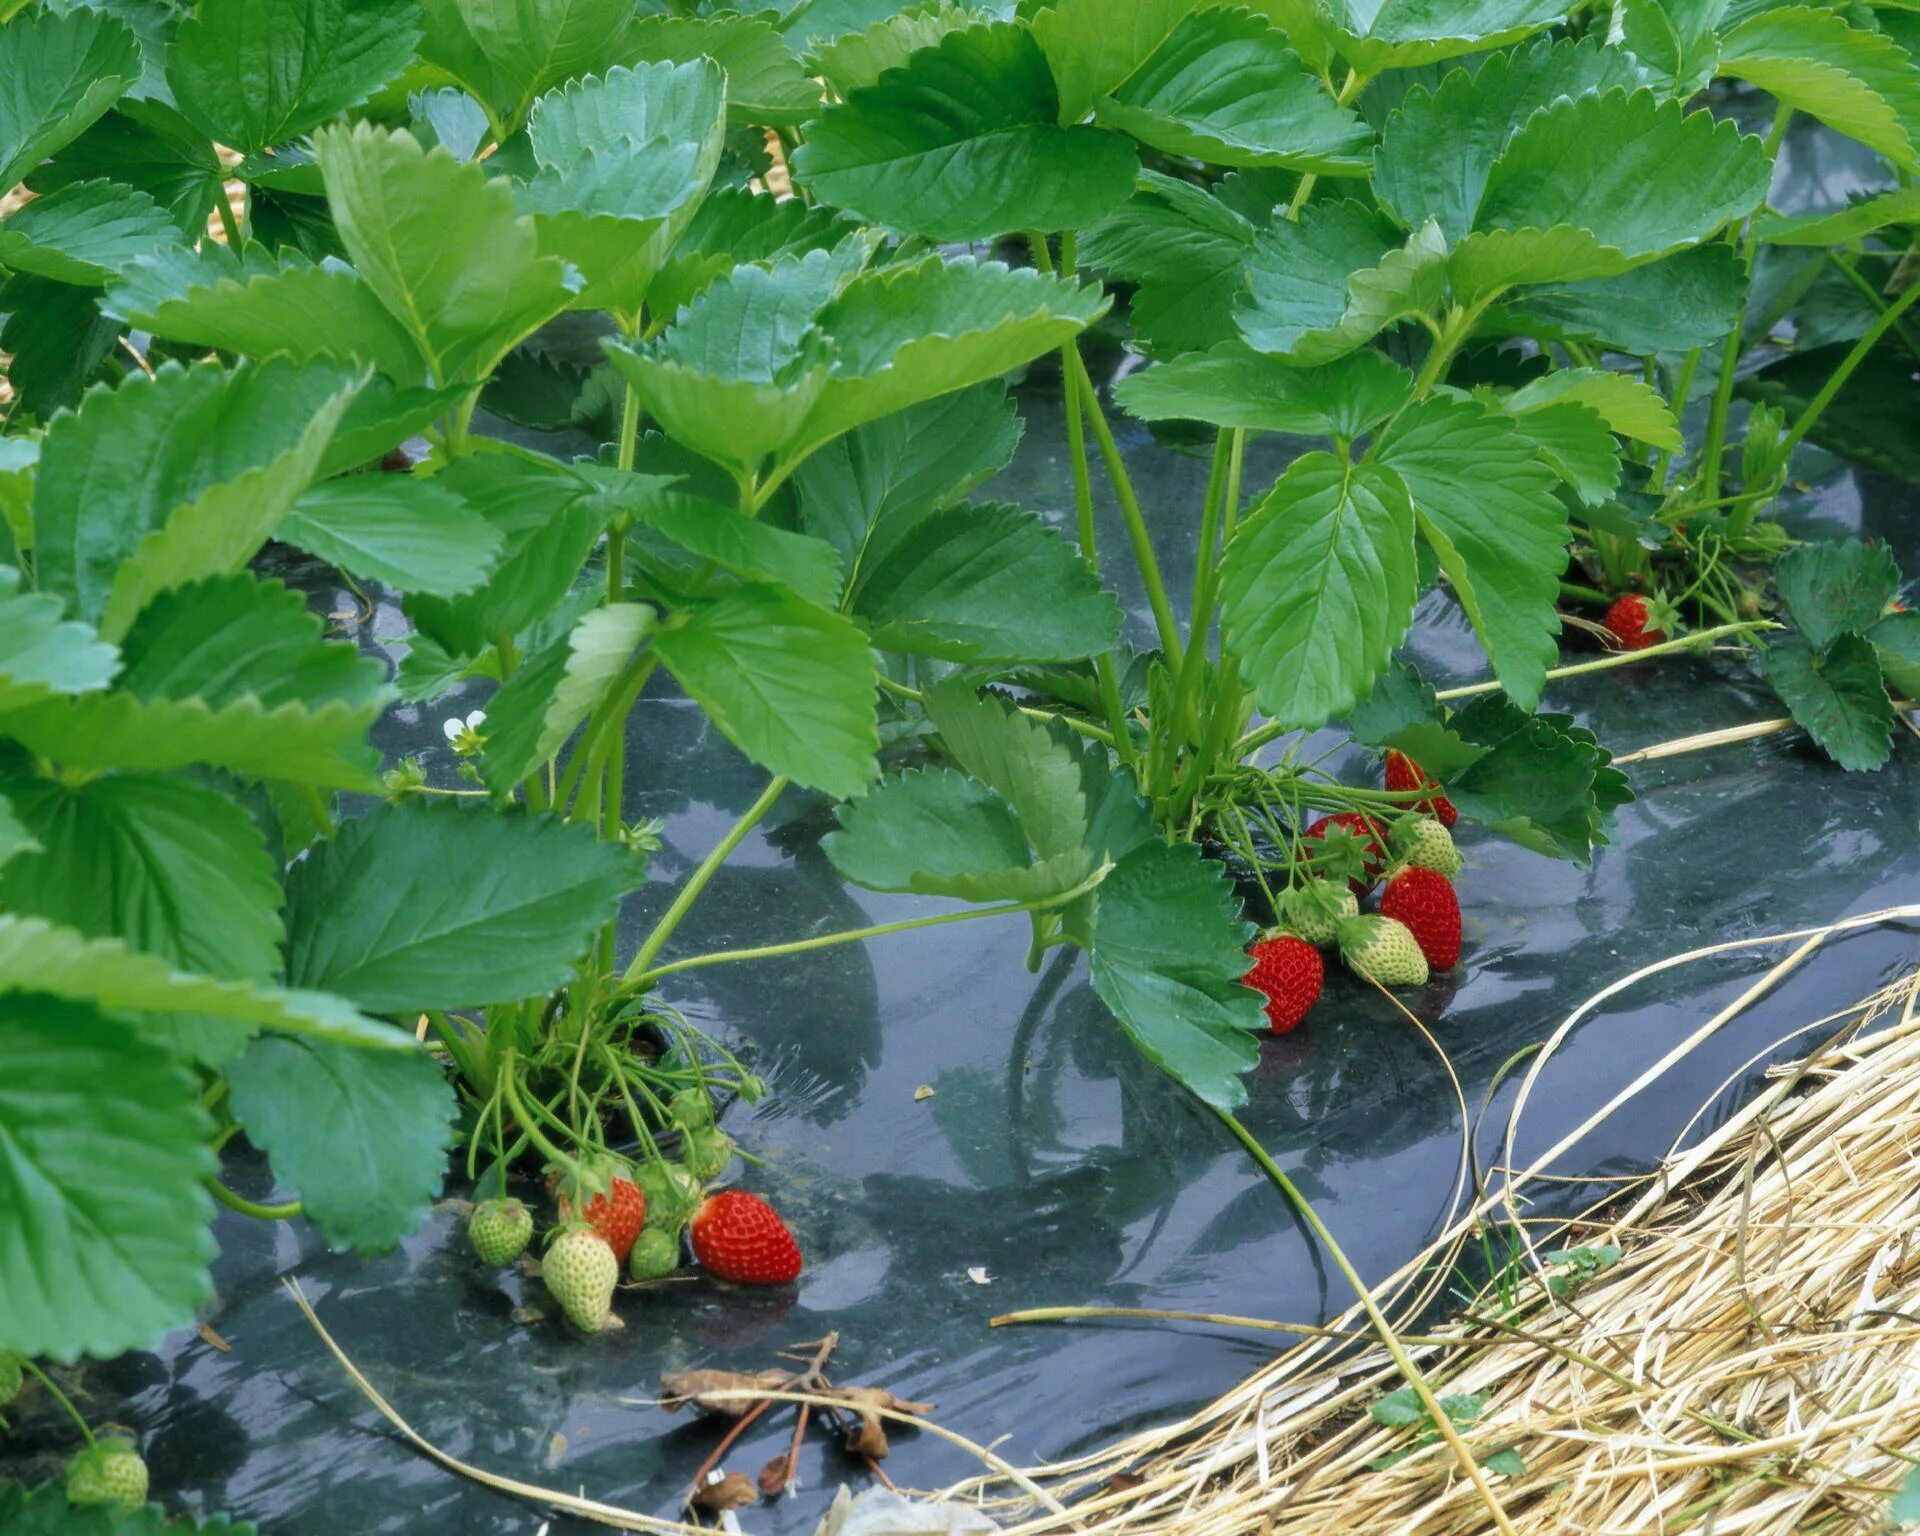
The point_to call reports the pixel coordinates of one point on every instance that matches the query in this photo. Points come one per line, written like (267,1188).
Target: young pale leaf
(174,477)
(1839,698)
(935,832)
(294,310)
(1225,88)
(1629,406)
(62,71)
(507,53)
(973,583)
(789,684)
(426,905)
(856,60)
(361,1137)
(863,491)
(254,73)
(1862,84)
(42,654)
(38,956)
(745,546)
(963,144)
(411,533)
(537,708)
(1641,175)
(1234,386)
(1326,284)
(1169,949)
(1439,145)
(1037,772)
(1691,299)
(191,879)
(1854,222)
(765,85)
(1836,589)
(1317,587)
(84,233)
(1489,509)
(103,1224)
(440,246)
(1182,248)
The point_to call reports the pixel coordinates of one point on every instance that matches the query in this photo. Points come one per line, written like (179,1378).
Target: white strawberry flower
(464,735)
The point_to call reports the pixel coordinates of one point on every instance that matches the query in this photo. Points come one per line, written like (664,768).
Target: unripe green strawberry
(108,1472)
(690,1109)
(655,1253)
(1313,911)
(11,1377)
(1383,950)
(581,1272)
(1422,841)
(672,1193)
(498,1230)
(706,1151)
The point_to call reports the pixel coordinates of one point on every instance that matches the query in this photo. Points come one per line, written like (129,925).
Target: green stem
(59,1397)
(225,209)
(510,1091)
(460,1049)
(1574,592)
(696,883)
(247,1207)
(1130,513)
(1874,297)
(878,930)
(1403,1362)
(1841,374)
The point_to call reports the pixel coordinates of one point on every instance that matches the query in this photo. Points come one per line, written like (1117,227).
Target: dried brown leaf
(701,1388)
(733,1491)
(773,1477)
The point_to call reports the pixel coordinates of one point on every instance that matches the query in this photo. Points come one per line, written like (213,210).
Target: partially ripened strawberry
(108,1472)
(1404,774)
(741,1238)
(1637,622)
(1352,845)
(498,1230)
(581,1272)
(617,1213)
(1424,900)
(1288,972)
(1313,909)
(1383,950)
(1423,841)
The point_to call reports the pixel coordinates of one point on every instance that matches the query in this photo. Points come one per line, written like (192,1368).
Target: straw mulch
(1750,1363)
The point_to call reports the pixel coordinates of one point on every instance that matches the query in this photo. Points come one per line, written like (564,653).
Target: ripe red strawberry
(618,1215)
(1289,971)
(1355,847)
(1638,622)
(739,1237)
(1423,899)
(1403,773)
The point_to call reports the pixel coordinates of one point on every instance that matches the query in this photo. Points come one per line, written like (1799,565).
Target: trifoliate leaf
(63,70)
(1859,83)
(1323,285)
(1833,589)
(84,233)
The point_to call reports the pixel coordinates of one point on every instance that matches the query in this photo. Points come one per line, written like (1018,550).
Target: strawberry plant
(273,267)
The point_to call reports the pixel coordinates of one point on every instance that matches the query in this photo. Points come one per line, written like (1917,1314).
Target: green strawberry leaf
(1690,299)
(84,233)
(254,73)
(361,1137)
(1233,386)
(46,1511)
(1629,406)
(1488,507)
(1541,780)
(440,246)
(1896,641)
(42,654)
(1839,698)
(766,86)
(168,479)
(412,533)
(191,878)
(1402,34)
(104,1240)
(1674,40)
(1842,227)
(1402,713)
(744,546)
(789,684)
(508,53)
(1317,587)
(855,60)
(56,339)
(424,905)
(537,709)
(1836,589)
(1224,87)
(963,143)
(1860,83)
(978,582)
(1093,47)
(935,832)
(1168,952)
(1576,444)
(148,146)
(63,70)
(1034,769)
